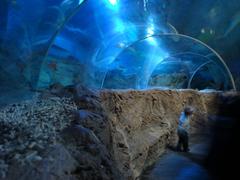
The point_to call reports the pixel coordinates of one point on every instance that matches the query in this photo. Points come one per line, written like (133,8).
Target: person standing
(183,129)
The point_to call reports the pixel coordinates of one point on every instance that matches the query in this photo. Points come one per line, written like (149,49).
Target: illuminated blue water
(117,43)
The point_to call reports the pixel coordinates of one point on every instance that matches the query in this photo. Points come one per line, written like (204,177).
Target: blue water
(117,43)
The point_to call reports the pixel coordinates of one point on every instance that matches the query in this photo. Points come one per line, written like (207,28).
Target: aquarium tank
(118,44)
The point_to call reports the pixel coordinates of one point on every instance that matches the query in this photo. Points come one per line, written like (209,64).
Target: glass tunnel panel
(210,76)
(175,71)
(115,43)
(27,31)
(164,61)
(92,47)
(216,76)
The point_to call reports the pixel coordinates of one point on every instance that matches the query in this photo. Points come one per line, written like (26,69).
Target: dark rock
(80,135)
(87,118)
(49,167)
(96,122)
(56,88)
(93,149)
(83,91)
(114,135)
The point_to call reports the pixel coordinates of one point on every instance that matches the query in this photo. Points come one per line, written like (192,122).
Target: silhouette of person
(183,128)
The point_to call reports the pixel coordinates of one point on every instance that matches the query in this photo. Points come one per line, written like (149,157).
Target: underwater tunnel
(115,44)
(55,56)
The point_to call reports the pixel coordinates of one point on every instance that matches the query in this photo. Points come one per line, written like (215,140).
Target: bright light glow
(121,45)
(119,25)
(113,2)
(80,1)
(152,41)
(150,32)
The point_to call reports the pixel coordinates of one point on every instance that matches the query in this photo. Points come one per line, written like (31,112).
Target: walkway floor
(179,165)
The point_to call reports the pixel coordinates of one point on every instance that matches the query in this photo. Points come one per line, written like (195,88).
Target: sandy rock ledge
(96,134)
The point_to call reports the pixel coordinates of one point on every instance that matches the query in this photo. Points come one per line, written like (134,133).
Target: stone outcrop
(143,123)
(50,138)
(96,134)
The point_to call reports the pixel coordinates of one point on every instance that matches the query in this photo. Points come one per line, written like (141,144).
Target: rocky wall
(144,123)
(76,133)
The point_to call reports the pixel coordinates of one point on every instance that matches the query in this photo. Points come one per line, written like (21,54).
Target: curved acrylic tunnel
(109,53)
(212,74)
(167,61)
(91,45)
(27,30)
(107,44)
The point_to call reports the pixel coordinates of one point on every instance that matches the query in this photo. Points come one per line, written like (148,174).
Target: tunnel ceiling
(120,44)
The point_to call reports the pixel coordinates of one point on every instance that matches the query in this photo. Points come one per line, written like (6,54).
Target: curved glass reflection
(91,45)
(210,76)
(166,61)
(98,42)
(176,70)
(27,31)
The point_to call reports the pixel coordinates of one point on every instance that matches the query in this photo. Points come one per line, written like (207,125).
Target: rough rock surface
(76,133)
(52,137)
(143,123)
(28,128)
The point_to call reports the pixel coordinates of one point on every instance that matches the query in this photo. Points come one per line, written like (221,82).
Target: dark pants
(182,140)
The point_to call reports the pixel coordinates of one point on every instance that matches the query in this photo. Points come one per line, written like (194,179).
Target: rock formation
(143,123)
(78,133)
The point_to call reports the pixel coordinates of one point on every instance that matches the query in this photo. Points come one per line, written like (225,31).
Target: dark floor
(181,166)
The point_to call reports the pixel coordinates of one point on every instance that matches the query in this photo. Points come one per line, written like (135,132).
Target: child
(183,128)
